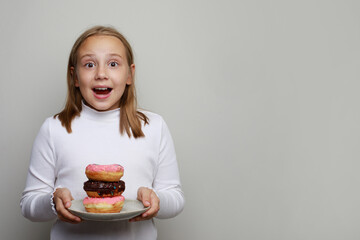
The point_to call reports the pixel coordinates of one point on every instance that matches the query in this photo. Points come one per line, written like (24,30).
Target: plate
(131,208)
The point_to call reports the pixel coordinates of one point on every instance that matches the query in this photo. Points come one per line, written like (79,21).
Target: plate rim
(107,216)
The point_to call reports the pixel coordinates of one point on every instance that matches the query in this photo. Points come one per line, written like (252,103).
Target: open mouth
(102,91)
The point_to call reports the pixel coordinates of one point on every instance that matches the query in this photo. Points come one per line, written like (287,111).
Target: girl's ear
(131,74)
(73,76)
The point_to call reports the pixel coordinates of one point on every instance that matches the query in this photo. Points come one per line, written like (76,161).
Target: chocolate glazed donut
(101,189)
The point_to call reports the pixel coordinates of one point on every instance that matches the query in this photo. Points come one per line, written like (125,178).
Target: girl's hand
(149,198)
(62,201)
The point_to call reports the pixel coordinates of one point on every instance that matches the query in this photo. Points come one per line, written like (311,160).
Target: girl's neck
(93,114)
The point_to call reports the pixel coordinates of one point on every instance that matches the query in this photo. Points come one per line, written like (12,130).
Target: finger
(137,219)
(70,217)
(68,220)
(63,213)
(66,199)
(154,206)
(66,216)
(67,202)
(144,196)
(141,218)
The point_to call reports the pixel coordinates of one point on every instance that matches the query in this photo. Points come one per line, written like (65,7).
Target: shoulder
(155,121)
(53,122)
(50,125)
(153,117)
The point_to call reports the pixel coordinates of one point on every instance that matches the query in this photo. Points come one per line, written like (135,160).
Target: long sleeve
(59,159)
(167,180)
(36,202)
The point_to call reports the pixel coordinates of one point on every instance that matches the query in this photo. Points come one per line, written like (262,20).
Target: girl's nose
(101,73)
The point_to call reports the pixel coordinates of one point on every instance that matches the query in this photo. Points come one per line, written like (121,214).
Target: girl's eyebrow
(115,55)
(92,55)
(87,55)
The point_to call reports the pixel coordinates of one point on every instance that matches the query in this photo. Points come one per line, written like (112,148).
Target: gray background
(261,97)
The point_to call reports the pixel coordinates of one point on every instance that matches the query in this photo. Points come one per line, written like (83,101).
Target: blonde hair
(130,119)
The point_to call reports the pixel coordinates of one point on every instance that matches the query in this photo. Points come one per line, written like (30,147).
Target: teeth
(101,89)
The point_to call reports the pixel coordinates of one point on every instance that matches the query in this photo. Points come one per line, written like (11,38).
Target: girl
(101,124)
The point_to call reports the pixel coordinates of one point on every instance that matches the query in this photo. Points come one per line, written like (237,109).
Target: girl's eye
(113,64)
(89,65)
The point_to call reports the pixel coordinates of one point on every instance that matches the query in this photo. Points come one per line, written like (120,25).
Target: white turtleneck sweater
(59,159)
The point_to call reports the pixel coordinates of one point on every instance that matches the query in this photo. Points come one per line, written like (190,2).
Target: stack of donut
(104,188)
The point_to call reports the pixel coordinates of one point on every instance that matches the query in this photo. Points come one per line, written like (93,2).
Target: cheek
(78,78)
(83,86)
(82,79)
(120,79)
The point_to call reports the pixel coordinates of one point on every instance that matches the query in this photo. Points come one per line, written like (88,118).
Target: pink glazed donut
(104,205)
(106,173)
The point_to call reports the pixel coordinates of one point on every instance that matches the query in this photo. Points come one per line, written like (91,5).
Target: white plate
(131,208)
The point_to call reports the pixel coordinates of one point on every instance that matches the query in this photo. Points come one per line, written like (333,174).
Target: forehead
(102,44)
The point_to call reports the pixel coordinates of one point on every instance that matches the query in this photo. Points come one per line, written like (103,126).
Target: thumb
(67,204)
(144,195)
(66,198)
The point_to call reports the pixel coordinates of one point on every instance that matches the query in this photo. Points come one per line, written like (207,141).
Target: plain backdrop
(261,97)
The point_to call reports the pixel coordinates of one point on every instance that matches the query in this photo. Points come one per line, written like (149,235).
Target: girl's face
(102,72)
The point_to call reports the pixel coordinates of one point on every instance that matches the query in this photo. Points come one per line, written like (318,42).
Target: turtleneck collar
(93,114)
